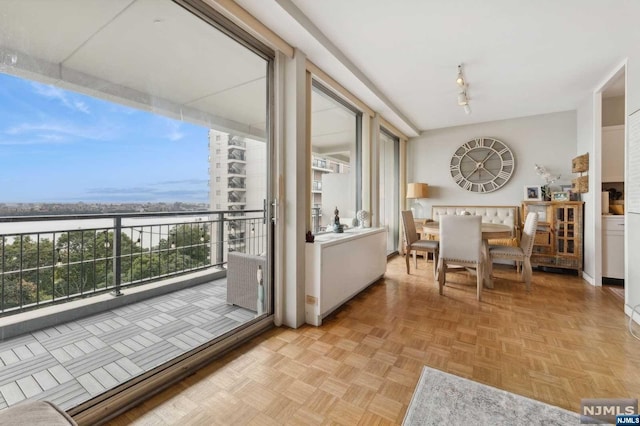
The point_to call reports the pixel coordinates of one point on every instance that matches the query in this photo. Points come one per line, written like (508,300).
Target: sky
(62,146)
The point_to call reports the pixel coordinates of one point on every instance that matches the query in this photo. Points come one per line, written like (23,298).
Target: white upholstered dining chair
(521,253)
(414,243)
(461,245)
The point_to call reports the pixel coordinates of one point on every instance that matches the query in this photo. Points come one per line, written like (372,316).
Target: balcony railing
(236,197)
(315,219)
(236,154)
(319,163)
(236,183)
(236,142)
(236,169)
(48,259)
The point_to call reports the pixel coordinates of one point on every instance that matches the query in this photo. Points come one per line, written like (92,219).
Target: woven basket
(580,164)
(580,184)
(616,208)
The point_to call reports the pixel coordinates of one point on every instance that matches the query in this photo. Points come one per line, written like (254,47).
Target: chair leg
(442,275)
(527,272)
(435,263)
(479,280)
(490,265)
(415,258)
(407,254)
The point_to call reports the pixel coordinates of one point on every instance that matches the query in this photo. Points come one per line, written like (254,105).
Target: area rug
(441,398)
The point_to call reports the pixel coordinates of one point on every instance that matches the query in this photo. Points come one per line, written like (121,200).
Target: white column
(295,197)
(366,163)
(375,170)
(402,190)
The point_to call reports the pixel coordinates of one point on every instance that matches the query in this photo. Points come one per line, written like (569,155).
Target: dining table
(489,231)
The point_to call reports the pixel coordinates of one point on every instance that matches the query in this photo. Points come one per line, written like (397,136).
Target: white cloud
(58,131)
(173,130)
(81,106)
(42,141)
(65,98)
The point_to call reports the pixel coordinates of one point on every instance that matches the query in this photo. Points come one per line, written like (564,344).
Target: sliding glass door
(139,134)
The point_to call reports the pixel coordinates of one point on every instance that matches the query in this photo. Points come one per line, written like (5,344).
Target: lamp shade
(417,190)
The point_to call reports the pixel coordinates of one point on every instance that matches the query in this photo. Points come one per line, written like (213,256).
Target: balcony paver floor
(75,361)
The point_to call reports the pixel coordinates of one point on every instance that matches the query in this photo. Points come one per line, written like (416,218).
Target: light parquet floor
(564,341)
(617,292)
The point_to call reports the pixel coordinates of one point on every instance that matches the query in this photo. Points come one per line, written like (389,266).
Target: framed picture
(567,189)
(532,193)
(560,196)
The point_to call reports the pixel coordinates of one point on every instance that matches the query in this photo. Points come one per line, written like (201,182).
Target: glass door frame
(395,228)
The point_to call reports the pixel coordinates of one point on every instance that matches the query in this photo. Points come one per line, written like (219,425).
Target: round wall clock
(482,165)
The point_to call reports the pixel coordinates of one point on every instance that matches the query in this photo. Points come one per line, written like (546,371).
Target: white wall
(632,221)
(337,192)
(548,140)
(613,111)
(585,143)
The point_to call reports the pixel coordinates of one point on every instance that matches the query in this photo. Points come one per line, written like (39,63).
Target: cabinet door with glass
(558,239)
(566,235)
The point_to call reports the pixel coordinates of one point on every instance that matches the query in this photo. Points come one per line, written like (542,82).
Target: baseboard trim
(628,310)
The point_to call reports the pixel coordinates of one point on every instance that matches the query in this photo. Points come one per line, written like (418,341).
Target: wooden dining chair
(414,243)
(521,253)
(461,245)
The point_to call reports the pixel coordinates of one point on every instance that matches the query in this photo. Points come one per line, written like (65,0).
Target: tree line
(75,263)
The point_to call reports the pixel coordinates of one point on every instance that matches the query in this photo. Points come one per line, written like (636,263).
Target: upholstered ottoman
(242,282)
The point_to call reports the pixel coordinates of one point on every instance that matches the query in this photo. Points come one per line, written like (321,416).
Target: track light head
(462,98)
(460,79)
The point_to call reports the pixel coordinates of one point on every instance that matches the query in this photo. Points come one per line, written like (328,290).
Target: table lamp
(416,191)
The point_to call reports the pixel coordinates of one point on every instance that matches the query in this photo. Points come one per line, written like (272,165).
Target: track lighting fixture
(463,98)
(460,80)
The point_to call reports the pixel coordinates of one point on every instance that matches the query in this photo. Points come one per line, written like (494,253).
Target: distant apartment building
(238,183)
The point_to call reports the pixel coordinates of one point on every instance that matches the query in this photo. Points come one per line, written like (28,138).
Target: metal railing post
(117,251)
(220,232)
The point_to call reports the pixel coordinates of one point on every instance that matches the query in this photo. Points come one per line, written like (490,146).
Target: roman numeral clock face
(482,165)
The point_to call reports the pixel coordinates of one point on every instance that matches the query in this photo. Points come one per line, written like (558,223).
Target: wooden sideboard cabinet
(558,240)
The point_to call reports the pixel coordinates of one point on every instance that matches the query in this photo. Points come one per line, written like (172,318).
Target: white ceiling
(520,58)
(148,54)
(401,57)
